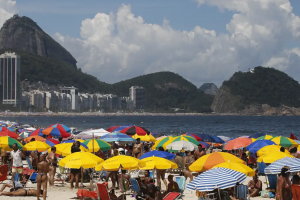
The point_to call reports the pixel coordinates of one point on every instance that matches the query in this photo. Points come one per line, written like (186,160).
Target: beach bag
(265,194)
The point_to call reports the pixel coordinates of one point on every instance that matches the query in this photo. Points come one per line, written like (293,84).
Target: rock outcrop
(23,34)
(209,88)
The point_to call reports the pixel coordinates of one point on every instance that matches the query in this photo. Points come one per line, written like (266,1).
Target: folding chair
(241,191)
(180,180)
(172,196)
(102,192)
(3,173)
(135,186)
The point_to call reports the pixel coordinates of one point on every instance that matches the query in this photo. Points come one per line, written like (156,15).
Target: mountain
(166,90)
(209,88)
(23,34)
(262,90)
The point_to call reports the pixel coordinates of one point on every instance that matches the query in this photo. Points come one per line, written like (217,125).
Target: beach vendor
(17,164)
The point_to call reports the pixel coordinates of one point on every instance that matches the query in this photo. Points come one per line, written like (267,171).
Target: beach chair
(28,162)
(3,173)
(102,192)
(180,180)
(151,174)
(102,175)
(135,187)
(33,177)
(172,196)
(241,191)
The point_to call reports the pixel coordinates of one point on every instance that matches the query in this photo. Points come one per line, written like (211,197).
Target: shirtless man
(200,152)
(52,165)
(42,178)
(137,149)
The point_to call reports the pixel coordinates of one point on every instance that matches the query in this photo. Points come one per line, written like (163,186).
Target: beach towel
(180,180)
(81,193)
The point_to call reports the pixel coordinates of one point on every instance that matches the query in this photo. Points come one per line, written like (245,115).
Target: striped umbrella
(221,178)
(257,135)
(146,138)
(117,137)
(266,137)
(284,141)
(6,143)
(9,133)
(120,128)
(132,130)
(194,136)
(95,145)
(55,132)
(112,128)
(61,127)
(37,132)
(161,142)
(275,167)
(179,138)
(217,139)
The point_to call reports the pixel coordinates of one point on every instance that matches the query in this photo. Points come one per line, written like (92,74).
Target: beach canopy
(64,149)
(36,146)
(275,167)
(158,163)
(208,161)
(181,146)
(117,137)
(6,143)
(266,137)
(132,130)
(284,141)
(120,161)
(146,138)
(9,134)
(95,145)
(270,149)
(61,127)
(36,138)
(221,178)
(238,143)
(237,167)
(257,145)
(80,159)
(272,157)
(161,154)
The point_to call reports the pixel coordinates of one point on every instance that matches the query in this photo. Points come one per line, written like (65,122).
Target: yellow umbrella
(158,163)
(126,162)
(269,149)
(237,167)
(272,157)
(147,138)
(161,141)
(284,141)
(36,146)
(64,149)
(80,159)
(179,138)
(6,143)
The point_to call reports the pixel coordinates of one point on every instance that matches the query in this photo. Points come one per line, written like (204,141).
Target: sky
(202,40)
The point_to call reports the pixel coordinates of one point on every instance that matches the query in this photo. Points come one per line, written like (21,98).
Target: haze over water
(231,126)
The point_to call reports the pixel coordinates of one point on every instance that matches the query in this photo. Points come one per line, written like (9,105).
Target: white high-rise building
(73,92)
(10,78)
(137,95)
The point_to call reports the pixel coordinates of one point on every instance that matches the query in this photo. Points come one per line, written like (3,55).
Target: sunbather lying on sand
(21,192)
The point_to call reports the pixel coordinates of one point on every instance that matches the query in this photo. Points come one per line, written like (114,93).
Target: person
(296,187)
(188,160)
(52,165)
(147,149)
(245,158)
(293,152)
(16,160)
(75,172)
(42,178)
(161,173)
(282,149)
(153,193)
(137,149)
(172,186)
(23,192)
(147,179)
(200,152)
(16,184)
(255,186)
(283,187)
(180,162)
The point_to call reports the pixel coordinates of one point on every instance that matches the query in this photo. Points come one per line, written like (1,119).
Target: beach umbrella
(270,149)
(37,132)
(132,130)
(51,144)
(9,134)
(3,128)
(72,141)
(161,142)
(217,139)
(208,161)
(55,132)
(6,143)
(120,161)
(284,141)
(90,134)
(64,149)
(272,157)
(257,145)
(257,135)
(80,159)
(158,163)
(36,146)
(112,128)
(61,127)
(237,167)
(146,138)
(24,134)
(161,137)
(205,137)
(120,128)
(154,134)
(266,137)
(95,145)
(225,138)
(238,143)
(204,144)
(180,138)
(194,136)
(161,154)
(181,145)
(221,178)
(53,141)
(36,137)
(117,137)
(275,167)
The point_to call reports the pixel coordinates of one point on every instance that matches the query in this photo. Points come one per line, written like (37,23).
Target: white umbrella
(182,145)
(92,133)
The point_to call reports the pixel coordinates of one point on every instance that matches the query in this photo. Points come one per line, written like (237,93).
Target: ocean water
(231,126)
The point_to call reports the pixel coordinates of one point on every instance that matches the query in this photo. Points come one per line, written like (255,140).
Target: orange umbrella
(238,143)
(36,137)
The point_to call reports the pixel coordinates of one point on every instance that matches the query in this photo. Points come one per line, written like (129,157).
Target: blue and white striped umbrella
(275,167)
(216,178)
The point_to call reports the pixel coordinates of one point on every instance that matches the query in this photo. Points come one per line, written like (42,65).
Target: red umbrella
(55,132)
(112,128)
(132,130)
(238,143)
(194,136)
(9,133)
(37,132)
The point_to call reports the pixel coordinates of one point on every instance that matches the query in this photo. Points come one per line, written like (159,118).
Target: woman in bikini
(23,192)
(52,165)
(255,186)
(284,186)
(137,149)
(42,178)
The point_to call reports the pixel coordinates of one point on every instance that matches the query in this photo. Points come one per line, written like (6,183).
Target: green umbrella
(161,142)
(179,138)
(284,141)
(266,137)
(6,143)
(95,145)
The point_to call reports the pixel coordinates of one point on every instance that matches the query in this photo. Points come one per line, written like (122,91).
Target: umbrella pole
(81,177)
(219,193)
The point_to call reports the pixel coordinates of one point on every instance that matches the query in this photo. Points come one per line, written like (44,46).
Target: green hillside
(165,90)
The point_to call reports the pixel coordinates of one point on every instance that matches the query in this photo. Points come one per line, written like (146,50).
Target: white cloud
(7,10)
(117,46)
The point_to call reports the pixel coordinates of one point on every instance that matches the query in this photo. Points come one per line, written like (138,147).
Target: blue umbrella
(217,139)
(257,135)
(257,145)
(206,137)
(161,154)
(204,144)
(51,144)
(117,137)
(72,141)
(216,178)
(121,128)
(275,167)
